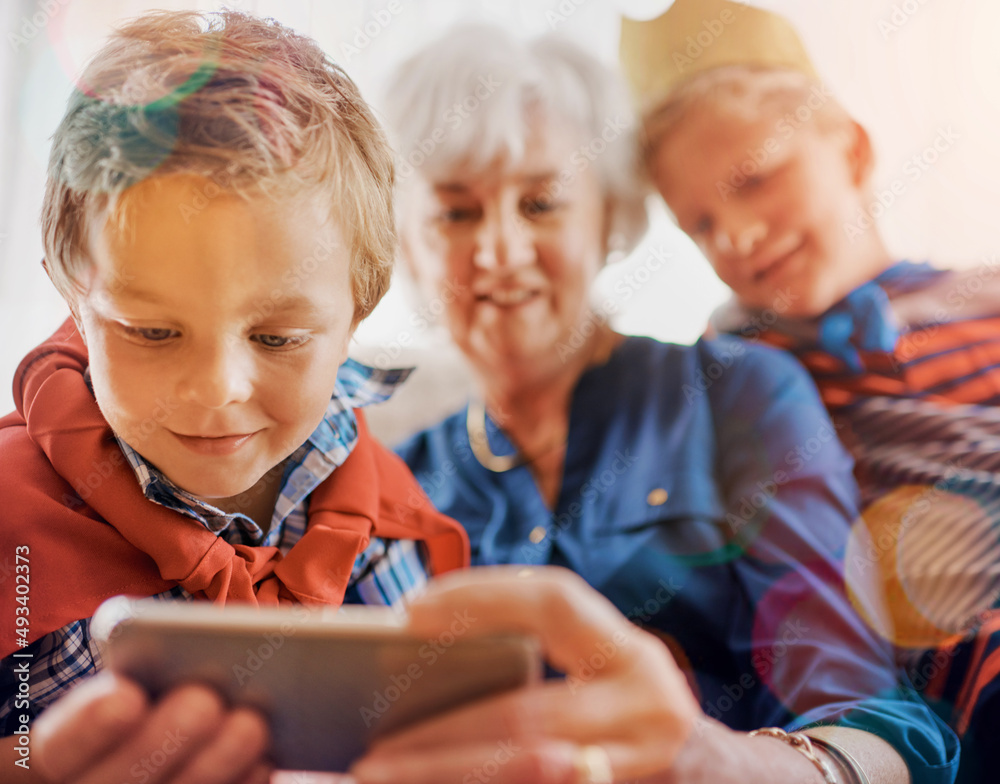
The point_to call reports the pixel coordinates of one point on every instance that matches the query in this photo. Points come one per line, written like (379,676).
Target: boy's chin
(800,302)
(218,491)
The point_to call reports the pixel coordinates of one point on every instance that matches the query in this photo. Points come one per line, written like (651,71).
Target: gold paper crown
(696,35)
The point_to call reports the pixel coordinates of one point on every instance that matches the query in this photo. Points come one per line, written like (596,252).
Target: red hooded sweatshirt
(70,505)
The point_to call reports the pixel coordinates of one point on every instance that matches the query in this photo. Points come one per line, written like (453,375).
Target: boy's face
(776,234)
(215,329)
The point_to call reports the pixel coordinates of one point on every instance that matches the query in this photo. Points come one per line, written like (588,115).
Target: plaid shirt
(388,572)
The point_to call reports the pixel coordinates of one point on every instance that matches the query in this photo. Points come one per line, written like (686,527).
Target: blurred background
(913,71)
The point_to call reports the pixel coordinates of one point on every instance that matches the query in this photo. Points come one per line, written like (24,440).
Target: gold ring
(593,766)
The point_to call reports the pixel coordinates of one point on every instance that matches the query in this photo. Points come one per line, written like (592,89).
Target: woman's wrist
(849,770)
(803,744)
(715,754)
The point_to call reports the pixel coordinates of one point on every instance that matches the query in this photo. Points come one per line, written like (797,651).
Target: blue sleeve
(790,498)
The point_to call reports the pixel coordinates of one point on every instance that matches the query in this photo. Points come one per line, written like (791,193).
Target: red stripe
(966,347)
(978,676)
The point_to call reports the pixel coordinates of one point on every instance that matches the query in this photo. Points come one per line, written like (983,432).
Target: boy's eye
(540,206)
(280,341)
(701,227)
(151,334)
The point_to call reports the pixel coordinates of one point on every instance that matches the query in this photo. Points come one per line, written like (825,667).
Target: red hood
(65,350)
(71,499)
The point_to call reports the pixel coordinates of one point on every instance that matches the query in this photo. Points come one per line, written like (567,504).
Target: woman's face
(507,256)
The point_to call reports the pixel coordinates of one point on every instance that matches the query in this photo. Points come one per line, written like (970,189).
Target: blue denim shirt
(706,494)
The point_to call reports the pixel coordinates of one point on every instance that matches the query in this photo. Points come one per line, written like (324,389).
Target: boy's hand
(106,730)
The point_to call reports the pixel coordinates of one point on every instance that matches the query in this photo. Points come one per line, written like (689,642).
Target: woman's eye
(279,341)
(152,334)
(457,215)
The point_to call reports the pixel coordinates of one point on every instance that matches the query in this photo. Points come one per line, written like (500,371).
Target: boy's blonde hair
(242,101)
(747,93)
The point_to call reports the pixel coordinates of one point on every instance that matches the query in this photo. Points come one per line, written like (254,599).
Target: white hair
(467,100)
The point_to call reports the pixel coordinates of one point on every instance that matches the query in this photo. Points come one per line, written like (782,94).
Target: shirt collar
(328,446)
(864,320)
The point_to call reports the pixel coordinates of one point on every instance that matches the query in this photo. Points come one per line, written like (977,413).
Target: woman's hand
(623,693)
(106,730)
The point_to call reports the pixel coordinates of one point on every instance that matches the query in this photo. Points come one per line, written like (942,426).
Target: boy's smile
(215,335)
(214,445)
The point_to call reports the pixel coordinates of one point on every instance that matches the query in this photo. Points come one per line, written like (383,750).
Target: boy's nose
(741,239)
(503,240)
(215,377)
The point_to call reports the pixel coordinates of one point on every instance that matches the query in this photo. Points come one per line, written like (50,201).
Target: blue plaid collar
(327,448)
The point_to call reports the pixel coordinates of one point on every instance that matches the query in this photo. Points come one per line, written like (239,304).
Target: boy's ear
(860,154)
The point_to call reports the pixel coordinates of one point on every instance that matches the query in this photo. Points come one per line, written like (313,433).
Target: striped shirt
(388,572)
(909,367)
(919,333)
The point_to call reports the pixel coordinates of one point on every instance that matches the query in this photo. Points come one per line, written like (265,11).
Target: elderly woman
(700,488)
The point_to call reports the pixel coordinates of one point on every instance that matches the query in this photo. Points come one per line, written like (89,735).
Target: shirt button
(537,534)
(657,497)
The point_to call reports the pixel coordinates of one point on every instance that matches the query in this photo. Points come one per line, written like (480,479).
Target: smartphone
(329,681)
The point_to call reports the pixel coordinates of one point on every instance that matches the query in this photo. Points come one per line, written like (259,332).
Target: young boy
(218,217)
(768,174)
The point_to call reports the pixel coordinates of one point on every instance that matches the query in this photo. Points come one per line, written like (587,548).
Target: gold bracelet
(801,743)
(845,760)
